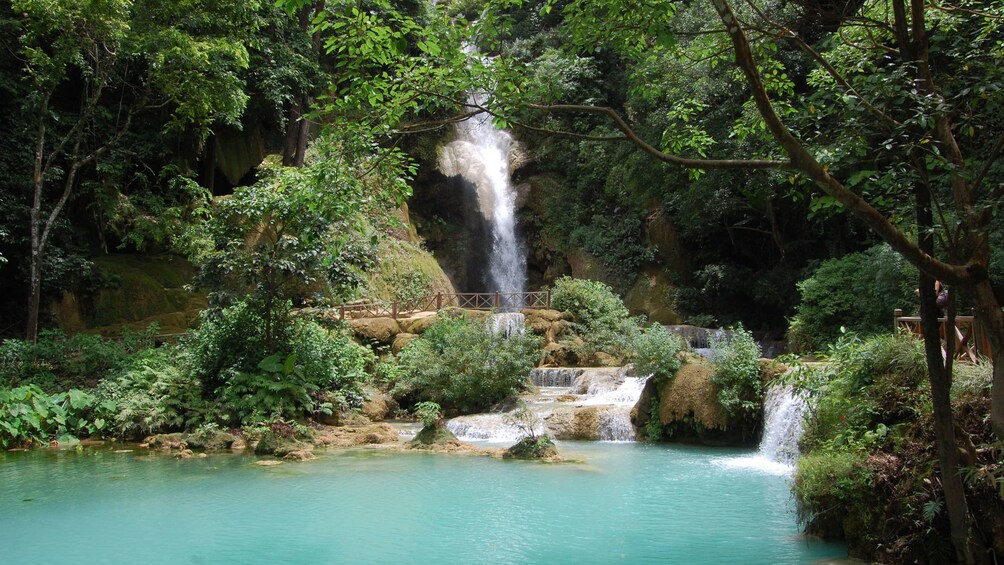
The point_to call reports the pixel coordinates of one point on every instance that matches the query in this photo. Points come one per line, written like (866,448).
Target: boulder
(559,354)
(418,324)
(381,330)
(558,329)
(166,442)
(299,455)
(652,295)
(348,436)
(583,422)
(401,341)
(211,440)
(534,448)
(691,394)
(378,405)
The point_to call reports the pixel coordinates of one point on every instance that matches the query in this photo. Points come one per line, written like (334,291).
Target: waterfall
(505,324)
(783,418)
(606,396)
(554,376)
(480,155)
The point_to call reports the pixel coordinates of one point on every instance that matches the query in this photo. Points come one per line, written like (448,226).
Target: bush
(57,362)
(737,374)
(462,365)
(599,315)
(858,292)
(235,369)
(868,390)
(152,395)
(428,413)
(28,415)
(655,353)
(830,485)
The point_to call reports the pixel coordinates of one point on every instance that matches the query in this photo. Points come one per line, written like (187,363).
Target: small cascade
(561,394)
(505,324)
(626,394)
(784,417)
(615,425)
(554,376)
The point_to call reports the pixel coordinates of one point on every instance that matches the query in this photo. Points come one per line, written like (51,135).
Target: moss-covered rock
(211,440)
(535,448)
(651,295)
(381,330)
(434,434)
(142,290)
(401,341)
(378,405)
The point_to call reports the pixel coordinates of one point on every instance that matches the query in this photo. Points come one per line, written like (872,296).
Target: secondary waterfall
(569,403)
(783,420)
(505,324)
(480,154)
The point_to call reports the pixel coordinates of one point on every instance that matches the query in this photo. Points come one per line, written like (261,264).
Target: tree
(913,96)
(87,69)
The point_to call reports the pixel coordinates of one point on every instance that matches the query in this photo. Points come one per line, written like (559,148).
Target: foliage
(57,362)
(428,413)
(236,369)
(655,353)
(275,434)
(869,388)
(464,366)
(30,416)
(525,421)
(858,291)
(599,315)
(737,373)
(152,394)
(832,483)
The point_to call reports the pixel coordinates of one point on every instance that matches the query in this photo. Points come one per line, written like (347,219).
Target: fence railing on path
(971,340)
(434,302)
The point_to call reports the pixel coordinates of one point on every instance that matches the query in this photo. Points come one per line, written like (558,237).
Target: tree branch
(632,137)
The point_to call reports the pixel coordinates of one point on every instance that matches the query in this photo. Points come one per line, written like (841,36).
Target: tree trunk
(991,319)
(292,135)
(34,284)
(940,378)
(301,136)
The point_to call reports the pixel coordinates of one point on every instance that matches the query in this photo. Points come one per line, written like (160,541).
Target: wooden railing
(971,341)
(434,302)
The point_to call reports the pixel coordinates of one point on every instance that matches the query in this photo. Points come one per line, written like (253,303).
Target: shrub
(428,413)
(599,315)
(462,365)
(57,362)
(830,485)
(737,373)
(858,291)
(655,353)
(28,415)
(152,395)
(250,384)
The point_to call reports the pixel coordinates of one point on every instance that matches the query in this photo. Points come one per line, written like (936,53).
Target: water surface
(626,503)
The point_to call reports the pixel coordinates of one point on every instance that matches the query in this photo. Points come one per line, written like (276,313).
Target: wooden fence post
(393,309)
(498,299)
(548,299)
(341,312)
(439,301)
(896,315)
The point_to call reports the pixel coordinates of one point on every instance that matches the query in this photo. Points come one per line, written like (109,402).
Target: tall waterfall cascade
(481,155)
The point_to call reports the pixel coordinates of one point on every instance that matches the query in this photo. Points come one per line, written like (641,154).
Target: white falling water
(554,376)
(783,420)
(784,417)
(505,324)
(480,154)
(614,395)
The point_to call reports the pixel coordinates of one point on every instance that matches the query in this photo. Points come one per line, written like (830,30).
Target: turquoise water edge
(623,503)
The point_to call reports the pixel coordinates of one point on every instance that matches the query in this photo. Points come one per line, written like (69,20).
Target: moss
(434,434)
(540,447)
(143,290)
(398,259)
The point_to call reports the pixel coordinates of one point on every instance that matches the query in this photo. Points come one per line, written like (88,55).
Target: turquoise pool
(625,503)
